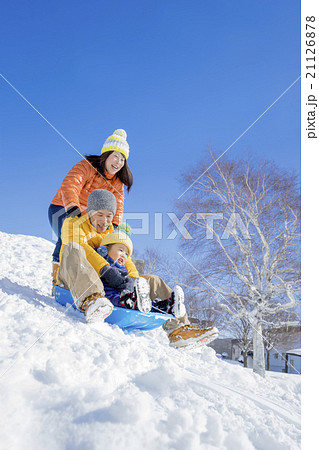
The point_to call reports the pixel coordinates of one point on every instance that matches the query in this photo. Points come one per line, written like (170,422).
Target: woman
(106,171)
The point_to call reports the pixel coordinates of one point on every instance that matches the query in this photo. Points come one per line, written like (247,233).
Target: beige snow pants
(77,274)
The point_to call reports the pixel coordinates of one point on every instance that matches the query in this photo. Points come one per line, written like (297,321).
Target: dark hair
(124,174)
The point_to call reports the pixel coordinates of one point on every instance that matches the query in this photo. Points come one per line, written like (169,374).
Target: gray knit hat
(101,199)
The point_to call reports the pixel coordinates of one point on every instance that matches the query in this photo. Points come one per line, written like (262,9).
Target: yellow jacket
(80,230)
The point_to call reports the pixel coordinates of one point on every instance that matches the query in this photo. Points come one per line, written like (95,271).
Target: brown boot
(55,268)
(89,301)
(96,308)
(191,337)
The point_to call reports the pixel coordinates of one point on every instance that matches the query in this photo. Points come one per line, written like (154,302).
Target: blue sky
(176,75)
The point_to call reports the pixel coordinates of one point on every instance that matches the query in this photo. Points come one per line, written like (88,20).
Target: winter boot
(191,337)
(163,305)
(55,268)
(173,305)
(178,308)
(143,300)
(128,300)
(96,308)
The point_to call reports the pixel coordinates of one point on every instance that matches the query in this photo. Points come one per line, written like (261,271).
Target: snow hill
(68,385)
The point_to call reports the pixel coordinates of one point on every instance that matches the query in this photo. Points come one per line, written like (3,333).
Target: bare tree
(242,332)
(243,240)
(172,271)
(157,262)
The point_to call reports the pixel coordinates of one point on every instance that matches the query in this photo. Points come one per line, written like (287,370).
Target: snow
(65,384)
(295,351)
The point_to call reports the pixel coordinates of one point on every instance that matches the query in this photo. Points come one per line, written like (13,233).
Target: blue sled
(127,319)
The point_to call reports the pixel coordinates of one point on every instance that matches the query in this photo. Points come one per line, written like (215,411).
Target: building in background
(284,357)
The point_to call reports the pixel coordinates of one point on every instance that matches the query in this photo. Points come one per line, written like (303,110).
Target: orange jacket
(81,181)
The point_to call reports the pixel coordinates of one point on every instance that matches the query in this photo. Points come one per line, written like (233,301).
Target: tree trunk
(259,351)
(245,359)
(268,360)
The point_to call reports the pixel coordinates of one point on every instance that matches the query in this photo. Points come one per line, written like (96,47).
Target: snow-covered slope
(68,385)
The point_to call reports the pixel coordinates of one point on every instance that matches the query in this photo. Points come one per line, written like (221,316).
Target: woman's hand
(73,211)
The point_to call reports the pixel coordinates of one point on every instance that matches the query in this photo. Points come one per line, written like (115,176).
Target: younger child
(145,293)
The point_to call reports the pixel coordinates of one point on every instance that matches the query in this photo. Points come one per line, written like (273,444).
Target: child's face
(119,253)
(101,220)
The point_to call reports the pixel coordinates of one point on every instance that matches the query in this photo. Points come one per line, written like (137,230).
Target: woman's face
(114,162)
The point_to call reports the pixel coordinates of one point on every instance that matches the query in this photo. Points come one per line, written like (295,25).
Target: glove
(127,285)
(112,276)
(73,211)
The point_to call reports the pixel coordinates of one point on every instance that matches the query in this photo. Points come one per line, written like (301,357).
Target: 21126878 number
(310,42)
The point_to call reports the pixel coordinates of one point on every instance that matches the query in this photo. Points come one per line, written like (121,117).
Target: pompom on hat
(117,143)
(118,237)
(101,199)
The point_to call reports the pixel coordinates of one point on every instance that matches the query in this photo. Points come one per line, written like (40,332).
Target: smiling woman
(115,162)
(107,171)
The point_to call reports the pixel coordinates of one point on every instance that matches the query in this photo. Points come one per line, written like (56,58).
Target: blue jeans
(56,215)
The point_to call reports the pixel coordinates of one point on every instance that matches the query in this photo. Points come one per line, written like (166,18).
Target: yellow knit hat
(118,237)
(117,143)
